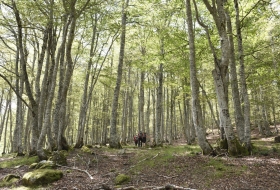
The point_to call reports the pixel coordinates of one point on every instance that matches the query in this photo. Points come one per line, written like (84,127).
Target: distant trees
(83,72)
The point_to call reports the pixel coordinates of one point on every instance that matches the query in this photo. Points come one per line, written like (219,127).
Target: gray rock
(41,177)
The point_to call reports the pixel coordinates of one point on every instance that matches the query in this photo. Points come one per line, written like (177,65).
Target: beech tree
(114,138)
(59,58)
(196,107)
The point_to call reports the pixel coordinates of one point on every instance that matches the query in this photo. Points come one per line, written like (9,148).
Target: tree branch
(3,77)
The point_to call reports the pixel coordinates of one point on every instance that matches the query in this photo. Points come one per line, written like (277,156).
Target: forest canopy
(98,72)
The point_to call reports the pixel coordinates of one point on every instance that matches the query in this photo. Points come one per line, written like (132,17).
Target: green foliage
(18,161)
(265,148)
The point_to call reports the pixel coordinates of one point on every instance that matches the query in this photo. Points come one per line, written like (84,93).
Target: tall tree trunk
(8,119)
(263,112)
(68,75)
(172,117)
(274,117)
(5,113)
(34,105)
(154,114)
(124,116)
(244,91)
(148,112)
(46,88)
(187,128)
(210,107)
(60,62)
(105,116)
(114,139)
(130,113)
(141,126)
(239,119)
(19,115)
(66,69)
(167,118)
(196,107)
(83,109)
(159,108)
(220,73)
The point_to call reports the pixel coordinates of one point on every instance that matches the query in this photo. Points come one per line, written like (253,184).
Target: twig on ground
(168,177)
(155,156)
(85,171)
(126,188)
(146,180)
(168,186)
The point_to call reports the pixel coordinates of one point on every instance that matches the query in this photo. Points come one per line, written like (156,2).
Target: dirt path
(256,172)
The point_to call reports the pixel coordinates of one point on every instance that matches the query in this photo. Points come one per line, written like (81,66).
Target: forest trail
(155,168)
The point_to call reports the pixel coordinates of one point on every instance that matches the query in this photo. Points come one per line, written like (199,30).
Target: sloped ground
(256,172)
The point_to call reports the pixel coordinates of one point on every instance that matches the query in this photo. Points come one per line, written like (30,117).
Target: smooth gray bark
(244,91)
(159,108)
(83,106)
(239,119)
(114,138)
(196,106)
(28,89)
(141,126)
(220,72)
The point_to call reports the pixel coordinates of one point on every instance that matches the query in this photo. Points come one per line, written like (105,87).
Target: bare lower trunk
(158,132)
(196,106)
(239,119)
(244,91)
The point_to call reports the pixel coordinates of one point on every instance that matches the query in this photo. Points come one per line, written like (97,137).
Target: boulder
(33,165)
(9,180)
(44,164)
(41,177)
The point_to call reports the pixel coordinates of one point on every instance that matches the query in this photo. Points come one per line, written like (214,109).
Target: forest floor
(180,165)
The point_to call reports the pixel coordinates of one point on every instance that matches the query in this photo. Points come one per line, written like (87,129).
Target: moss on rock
(122,179)
(86,149)
(45,165)
(11,178)
(41,177)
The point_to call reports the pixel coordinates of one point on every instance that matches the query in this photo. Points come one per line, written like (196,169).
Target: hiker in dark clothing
(140,139)
(144,138)
(135,140)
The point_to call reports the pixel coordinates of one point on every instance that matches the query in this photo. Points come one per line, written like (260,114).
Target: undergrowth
(265,148)
(160,156)
(18,161)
